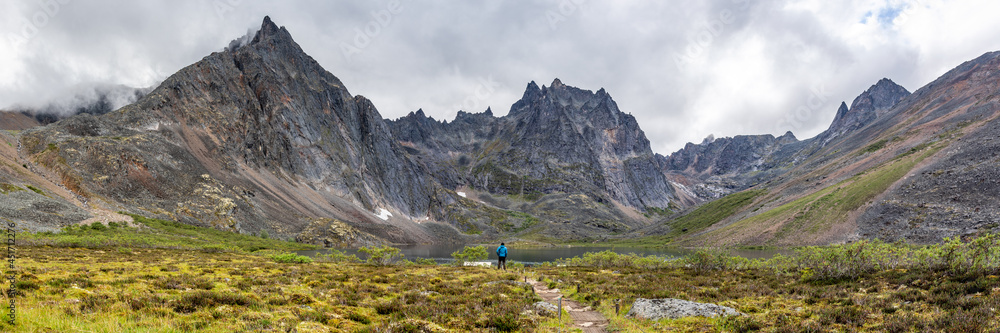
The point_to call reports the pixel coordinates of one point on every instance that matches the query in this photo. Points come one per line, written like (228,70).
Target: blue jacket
(502,251)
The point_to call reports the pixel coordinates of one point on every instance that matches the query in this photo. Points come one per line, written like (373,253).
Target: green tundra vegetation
(141,279)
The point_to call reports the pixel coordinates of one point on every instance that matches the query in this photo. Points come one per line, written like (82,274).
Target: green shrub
(291,258)
(848,261)
(214,248)
(381,255)
(713,260)
(425,261)
(98,226)
(35,189)
(611,259)
(467,254)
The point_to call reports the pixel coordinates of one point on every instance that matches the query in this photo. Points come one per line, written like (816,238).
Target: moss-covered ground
(859,288)
(165,290)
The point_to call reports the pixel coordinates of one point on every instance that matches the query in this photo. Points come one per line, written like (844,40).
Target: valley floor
(163,290)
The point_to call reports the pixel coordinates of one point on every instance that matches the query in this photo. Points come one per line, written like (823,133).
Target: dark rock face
(445,148)
(556,139)
(584,134)
(870,105)
(257,137)
(272,106)
(737,155)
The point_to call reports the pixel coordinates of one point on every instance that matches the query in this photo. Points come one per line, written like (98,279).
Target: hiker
(502,255)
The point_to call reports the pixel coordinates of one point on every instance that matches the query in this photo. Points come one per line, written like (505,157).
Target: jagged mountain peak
(269,29)
(870,105)
(881,96)
(841,112)
(556,83)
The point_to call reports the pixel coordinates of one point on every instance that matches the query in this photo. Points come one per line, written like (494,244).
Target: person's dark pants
(502,263)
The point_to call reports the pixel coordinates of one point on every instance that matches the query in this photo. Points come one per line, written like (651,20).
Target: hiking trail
(584,317)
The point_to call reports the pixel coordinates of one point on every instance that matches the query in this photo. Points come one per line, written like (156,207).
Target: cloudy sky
(685,69)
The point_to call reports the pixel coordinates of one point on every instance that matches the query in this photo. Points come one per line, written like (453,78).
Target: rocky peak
(268,29)
(870,105)
(841,112)
(787,138)
(879,98)
(557,84)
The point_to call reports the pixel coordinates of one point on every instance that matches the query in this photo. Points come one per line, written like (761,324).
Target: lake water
(441,253)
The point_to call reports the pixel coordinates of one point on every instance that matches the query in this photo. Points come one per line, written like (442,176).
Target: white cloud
(765,61)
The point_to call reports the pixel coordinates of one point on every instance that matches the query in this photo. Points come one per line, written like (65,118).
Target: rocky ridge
(251,139)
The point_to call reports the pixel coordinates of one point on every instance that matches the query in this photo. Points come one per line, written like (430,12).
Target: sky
(685,69)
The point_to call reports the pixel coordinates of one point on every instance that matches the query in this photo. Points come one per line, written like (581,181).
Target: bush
(707,260)
(381,255)
(848,261)
(611,259)
(468,254)
(98,226)
(425,261)
(291,258)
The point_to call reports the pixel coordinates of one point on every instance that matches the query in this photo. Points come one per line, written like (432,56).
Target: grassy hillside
(702,217)
(155,233)
(813,215)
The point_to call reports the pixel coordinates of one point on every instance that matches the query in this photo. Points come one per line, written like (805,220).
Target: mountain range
(260,139)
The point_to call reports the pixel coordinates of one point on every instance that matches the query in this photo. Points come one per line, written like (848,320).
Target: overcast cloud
(684,69)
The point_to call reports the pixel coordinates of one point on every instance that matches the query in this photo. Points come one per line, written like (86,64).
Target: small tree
(381,255)
(469,254)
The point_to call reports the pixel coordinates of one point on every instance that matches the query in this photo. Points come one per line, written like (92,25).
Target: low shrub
(611,259)
(291,258)
(469,254)
(381,255)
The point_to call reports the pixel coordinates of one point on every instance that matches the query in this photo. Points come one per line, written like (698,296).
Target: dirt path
(584,318)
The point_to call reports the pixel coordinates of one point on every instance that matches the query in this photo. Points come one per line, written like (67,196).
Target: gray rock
(545,309)
(570,152)
(675,308)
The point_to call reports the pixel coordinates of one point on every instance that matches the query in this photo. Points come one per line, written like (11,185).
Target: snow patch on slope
(384,214)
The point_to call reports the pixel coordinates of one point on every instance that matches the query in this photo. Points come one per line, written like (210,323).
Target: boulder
(675,308)
(545,309)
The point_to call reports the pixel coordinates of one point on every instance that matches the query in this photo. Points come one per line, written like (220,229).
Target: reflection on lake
(441,253)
